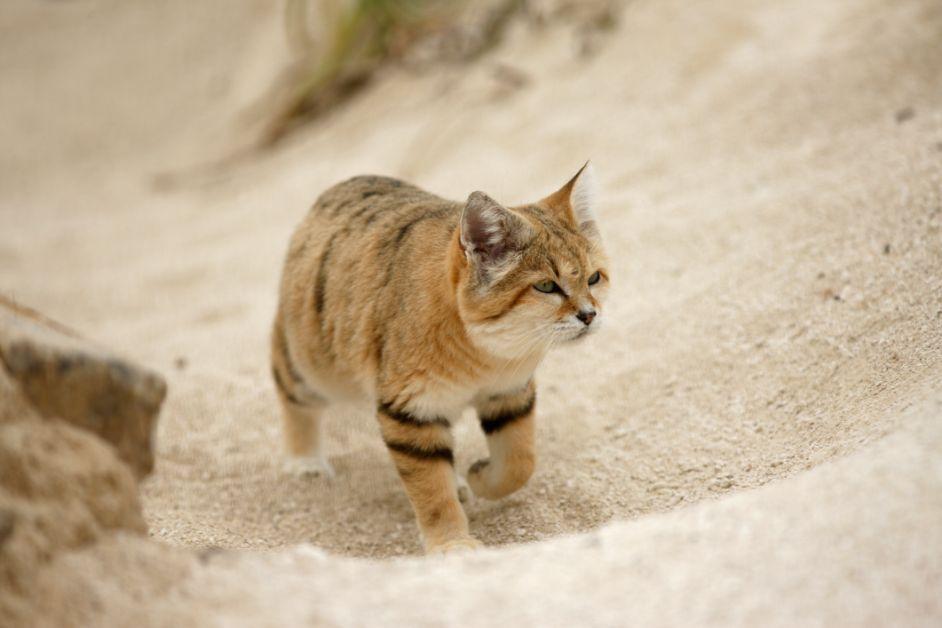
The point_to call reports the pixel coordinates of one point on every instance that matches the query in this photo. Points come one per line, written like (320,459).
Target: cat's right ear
(491,233)
(575,201)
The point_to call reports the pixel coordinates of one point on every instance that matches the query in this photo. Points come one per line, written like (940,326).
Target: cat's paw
(455,546)
(308,467)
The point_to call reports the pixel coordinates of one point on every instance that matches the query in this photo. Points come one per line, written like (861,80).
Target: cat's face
(536,274)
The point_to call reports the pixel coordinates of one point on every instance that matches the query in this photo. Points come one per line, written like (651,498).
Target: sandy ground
(772,204)
(852,542)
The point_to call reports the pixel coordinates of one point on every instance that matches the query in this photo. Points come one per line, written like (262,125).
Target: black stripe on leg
(292,371)
(421,453)
(406,418)
(308,396)
(286,357)
(281,386)
(496,422)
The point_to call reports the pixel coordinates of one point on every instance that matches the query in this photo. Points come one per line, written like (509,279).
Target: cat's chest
(506,380)
(449,398)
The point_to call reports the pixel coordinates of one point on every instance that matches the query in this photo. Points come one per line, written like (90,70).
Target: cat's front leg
(507,421)
(421,449)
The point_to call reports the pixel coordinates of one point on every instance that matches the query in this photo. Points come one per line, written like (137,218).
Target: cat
(427,307)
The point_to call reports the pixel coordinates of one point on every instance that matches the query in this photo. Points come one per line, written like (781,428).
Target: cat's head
(534,275)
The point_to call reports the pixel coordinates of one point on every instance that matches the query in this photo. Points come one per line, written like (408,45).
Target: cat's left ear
(575,201)
(490,233)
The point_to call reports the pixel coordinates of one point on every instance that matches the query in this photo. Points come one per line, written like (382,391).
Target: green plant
(361,34)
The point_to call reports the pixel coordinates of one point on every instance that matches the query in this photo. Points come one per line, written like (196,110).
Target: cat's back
(368,217)
(365,244)
(342,201)
(369,208)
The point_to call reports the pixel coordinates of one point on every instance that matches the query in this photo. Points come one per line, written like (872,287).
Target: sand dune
(760,415)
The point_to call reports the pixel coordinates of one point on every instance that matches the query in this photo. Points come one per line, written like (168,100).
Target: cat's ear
(491,233)
(575,201)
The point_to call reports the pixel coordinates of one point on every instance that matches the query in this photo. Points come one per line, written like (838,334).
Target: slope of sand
(853,542)
(772,204)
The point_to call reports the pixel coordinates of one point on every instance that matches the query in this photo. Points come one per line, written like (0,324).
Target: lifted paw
(308,467)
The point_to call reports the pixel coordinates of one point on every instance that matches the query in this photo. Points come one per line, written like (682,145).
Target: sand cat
(425,307)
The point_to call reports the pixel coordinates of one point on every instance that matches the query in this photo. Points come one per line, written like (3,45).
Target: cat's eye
(594,278)
(546,286)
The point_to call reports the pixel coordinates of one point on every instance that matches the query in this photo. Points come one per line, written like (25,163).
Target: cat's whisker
(530,342)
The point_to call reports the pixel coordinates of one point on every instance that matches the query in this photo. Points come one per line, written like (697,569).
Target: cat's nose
(586,316)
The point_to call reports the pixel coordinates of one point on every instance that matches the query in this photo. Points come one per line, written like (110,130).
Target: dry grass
(353,39)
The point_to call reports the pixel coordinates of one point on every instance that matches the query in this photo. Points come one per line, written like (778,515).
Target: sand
(765,391)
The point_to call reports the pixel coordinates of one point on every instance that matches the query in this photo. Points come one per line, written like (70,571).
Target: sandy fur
(425,307)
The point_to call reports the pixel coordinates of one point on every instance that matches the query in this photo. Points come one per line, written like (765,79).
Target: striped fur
(421,453)
(495,422)
(507,421)
(428,305)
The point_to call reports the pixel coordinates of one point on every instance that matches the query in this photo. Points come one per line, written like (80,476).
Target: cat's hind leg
(304,439)
(302,412)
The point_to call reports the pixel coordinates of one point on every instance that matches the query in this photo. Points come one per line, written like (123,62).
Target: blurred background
(771,199)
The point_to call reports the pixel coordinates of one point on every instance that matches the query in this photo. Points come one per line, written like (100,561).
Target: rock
(65,377)
(61,489)
(75,429)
